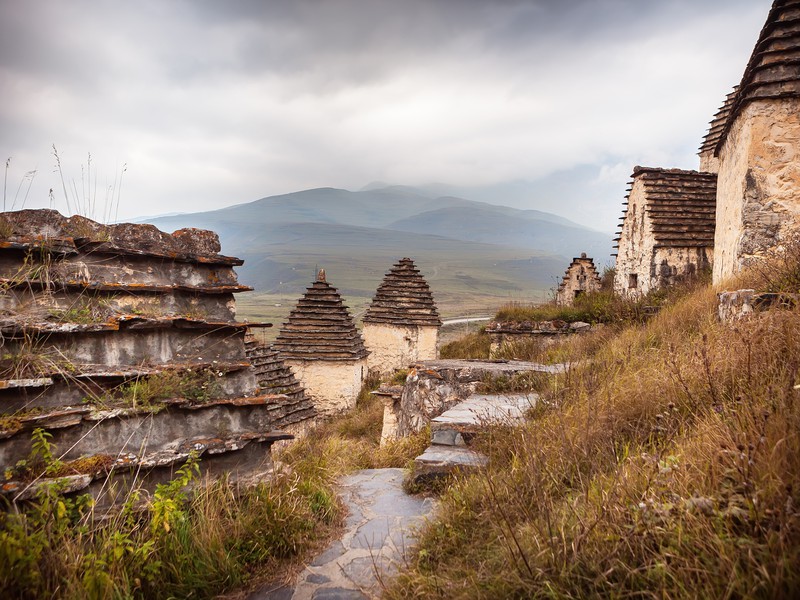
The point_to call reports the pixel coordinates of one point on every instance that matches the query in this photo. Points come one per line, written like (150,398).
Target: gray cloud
(214,103)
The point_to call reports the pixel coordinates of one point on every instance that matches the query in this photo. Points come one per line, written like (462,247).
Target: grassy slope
(667,464)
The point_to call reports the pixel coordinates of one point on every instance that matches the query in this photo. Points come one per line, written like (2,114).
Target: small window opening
(633,281)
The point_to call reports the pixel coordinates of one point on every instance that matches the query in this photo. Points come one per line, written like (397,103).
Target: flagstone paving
(379,530)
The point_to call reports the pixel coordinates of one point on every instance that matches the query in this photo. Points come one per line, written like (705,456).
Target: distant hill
(462,246)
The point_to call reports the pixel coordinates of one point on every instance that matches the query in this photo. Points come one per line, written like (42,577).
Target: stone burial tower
(402,324)
(666,233)
(581,277)
(756,143)
(321,345)
(119,343)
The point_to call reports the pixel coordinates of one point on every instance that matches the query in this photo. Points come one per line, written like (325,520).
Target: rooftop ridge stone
(403,298)
(717,125)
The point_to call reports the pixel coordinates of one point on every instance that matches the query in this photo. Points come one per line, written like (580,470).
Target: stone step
(453,430)
(437,461)
(456,426)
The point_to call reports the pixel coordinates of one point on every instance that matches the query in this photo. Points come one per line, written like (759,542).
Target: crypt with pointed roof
(322,347)
(401,325)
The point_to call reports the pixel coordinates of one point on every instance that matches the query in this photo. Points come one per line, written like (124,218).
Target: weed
(31,358)
(183,545)
(85,309)
(6,229)
(399,377)
(523,382)
(147,392)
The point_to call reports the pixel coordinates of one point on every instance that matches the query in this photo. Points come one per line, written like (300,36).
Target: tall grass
(664,464)
(175,547)
(179,545)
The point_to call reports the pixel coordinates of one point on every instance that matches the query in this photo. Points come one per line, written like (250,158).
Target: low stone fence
(434,386)
(507,333)
(739,304)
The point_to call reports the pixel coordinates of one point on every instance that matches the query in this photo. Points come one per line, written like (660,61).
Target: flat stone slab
(380,529)
(499,367)
(448,458)
(480,410)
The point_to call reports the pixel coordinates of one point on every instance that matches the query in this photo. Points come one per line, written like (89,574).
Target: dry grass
(472,345)
(665,464)
(178,546)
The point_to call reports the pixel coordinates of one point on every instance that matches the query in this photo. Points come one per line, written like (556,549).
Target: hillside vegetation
(664,464)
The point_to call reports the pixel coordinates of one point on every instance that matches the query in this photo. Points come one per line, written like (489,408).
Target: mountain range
(463,247)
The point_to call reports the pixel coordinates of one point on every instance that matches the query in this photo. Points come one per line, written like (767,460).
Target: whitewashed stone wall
(758,197)
(709,163)
(394,347)
(332,385)
(636,247)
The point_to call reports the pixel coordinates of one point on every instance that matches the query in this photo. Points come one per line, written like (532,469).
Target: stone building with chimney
(581,277)
(401,325)
(667,229)
(756,142)
(321,345)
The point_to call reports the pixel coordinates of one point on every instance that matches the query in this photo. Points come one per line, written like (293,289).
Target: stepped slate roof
(774,67)
(718,124)
(275,377)
(403,298)
(680,205)
(320,327)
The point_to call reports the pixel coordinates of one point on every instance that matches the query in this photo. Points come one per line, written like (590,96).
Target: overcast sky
(210,104)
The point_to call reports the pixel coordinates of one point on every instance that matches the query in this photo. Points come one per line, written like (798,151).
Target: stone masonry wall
(757,198)
(121,343)
(672,265)
(636,247)
(434,386)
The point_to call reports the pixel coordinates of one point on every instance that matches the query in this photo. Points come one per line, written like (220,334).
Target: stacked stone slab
(581,277)
(120,342)
(667,229)
(401,325)
(321,345)
(758,149)
(709,163)
(293,411)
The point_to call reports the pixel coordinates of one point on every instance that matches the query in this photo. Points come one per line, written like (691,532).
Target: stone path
(379,529)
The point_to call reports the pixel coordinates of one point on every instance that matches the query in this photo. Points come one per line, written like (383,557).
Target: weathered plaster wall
(757,192)
(394,347)
(635,252)
(672,265)
(709,163)
(333,386)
